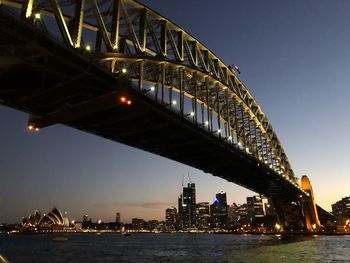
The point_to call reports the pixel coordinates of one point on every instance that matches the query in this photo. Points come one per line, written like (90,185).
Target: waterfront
(180,247)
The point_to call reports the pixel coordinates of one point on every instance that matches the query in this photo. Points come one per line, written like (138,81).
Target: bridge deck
(43,78)
(45,88)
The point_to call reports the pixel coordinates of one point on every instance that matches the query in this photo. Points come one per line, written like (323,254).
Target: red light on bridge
(31,127)
(125,100)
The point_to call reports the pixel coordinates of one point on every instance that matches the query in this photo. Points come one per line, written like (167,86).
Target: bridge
(120,70)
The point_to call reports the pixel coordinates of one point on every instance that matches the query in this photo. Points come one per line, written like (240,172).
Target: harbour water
(179,247)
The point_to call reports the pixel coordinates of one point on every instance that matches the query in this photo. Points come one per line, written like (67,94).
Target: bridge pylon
(312,221)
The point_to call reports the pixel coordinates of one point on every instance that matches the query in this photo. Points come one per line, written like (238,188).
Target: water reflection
(176,248)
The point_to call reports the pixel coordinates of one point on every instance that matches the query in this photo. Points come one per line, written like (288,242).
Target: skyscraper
(255,208)
(218,211)
(341,210)
(203,215)
(117,217)
(187,207)
(171,219)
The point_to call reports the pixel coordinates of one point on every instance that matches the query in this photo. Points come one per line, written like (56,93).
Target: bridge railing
(130,40)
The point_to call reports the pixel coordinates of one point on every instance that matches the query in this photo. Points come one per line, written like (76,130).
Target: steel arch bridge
(120,70)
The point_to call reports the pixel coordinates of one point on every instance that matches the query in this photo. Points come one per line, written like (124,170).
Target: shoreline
(192,233)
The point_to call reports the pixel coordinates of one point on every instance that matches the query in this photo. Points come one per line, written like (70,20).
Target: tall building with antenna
(187,206)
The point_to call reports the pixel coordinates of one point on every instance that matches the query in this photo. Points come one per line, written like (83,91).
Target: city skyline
(295,68)
(214,211)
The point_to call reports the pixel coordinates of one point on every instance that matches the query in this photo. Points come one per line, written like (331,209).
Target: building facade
(203,215)
(255,209)
(138,224)
(187,207)
(170,219)
(341,210)
(218,211)
(117,218)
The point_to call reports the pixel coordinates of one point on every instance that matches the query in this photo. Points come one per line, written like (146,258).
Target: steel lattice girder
(126,28)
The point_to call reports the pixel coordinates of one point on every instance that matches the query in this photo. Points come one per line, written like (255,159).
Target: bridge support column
(309,206)
(290,215)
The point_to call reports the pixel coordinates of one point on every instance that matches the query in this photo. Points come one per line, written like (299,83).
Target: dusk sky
(295,59)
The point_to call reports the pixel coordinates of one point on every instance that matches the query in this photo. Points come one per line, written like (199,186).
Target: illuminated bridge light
(32,127)
(125,100)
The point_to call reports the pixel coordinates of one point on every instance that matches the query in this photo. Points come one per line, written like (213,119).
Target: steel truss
(166,63)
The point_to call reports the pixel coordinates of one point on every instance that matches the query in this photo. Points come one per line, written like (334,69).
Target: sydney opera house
(53,221)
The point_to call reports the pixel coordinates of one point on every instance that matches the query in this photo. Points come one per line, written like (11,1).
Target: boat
(124,232)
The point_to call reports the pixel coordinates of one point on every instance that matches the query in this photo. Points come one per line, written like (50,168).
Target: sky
(294,58)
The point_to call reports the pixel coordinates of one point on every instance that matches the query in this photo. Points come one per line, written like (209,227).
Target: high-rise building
(243,217)
(233,214)
(85,218)
(218,211)
(221,197)
(255,208)
(152,225)
(170,219)
(86,224)
(187,207)
(341,210)
(117,218)
(138,224)
(203,215)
